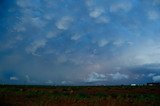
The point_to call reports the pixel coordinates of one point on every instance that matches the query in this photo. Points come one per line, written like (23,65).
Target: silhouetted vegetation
(80,95)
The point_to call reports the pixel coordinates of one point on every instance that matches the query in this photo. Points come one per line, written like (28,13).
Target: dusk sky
(79,42)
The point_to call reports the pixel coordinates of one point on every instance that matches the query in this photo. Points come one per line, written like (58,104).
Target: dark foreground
(79,96)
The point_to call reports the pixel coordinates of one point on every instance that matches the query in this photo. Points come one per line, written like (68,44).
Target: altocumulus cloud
(64,22)
(36,45)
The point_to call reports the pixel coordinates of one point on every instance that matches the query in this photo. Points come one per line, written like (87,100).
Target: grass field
(79,95)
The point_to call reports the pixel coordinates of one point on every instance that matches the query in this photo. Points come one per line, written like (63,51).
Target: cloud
(93,66)
(49,82)
(12,42)
(118,43)
(35,46)
(51,34)
(118,76)
(38,22)
(156,78)
(120,6)
(24,3)
(49,16)
(64,23)
(103,19)
(76,36)
(89,2)
(28,3)
(153,66)
(153,15)
(27,20)
(19,27)
(151,74)
(102,42)
(66,82)
(13,78)
(147,56)
(28,78)
(96,12)
(94,77)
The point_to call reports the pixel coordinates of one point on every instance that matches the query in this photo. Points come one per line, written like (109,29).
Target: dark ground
(14,95)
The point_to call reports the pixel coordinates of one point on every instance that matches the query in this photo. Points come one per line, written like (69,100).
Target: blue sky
(79,42)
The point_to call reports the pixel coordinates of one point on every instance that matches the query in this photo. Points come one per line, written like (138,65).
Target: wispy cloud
(151,74)
(120,43)
(102,42)
(66,82)
(153,15)
(76,36)
(119,76)
(24,3)
(64,23)
(49,82)
(13,78)
(121,6)
(35,45)
(96,12)
(103,20)
(27,78)
(94,77)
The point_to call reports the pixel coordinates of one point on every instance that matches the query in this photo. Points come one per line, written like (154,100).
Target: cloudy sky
(79,42)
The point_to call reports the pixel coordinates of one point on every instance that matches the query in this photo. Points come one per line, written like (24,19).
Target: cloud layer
(79,41)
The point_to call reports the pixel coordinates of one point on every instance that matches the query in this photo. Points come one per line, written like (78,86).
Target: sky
(79,42)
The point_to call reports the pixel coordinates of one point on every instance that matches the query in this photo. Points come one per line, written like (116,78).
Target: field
(79,95)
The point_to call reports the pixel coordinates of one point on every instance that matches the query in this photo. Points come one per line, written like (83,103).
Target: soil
(13,95)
